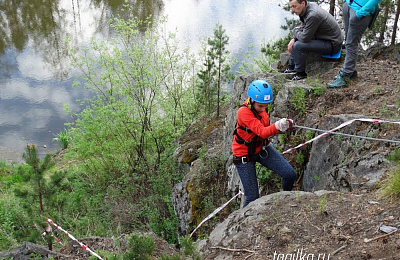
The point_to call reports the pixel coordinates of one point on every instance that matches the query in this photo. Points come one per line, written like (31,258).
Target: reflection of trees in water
(44,23)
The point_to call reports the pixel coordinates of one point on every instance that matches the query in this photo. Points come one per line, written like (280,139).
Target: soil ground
(339,226)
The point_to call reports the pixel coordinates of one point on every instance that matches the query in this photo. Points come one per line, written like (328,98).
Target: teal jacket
(363,7)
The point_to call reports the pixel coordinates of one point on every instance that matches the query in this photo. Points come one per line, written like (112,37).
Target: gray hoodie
(318,24)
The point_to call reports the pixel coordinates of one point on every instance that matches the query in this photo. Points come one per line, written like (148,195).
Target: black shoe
(297,76)
(288,69)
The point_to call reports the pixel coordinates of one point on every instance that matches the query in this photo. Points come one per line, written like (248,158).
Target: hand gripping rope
(73,238)
(325,133)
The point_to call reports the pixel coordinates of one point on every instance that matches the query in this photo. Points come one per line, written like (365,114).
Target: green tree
(125,137)
(216,70)
(38,168)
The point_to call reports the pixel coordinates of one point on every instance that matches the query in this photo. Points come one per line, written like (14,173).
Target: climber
(250,142)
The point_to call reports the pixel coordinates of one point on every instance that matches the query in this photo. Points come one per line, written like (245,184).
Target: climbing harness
(251,144)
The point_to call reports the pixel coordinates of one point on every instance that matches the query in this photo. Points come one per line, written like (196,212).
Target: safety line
(348,135)
(73,238)
(339,127)
(216,211)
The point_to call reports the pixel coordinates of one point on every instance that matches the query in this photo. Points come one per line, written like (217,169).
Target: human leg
(277,163)
(299,55)
(248,177)
(301,49)
(290,66)
(354,28)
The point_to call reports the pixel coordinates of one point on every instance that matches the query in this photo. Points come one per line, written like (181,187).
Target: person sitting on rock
(250,143)
(319,32)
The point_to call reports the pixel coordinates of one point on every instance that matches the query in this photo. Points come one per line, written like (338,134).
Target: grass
(390,186)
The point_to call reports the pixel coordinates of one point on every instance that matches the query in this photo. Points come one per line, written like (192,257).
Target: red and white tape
(339,127)
(73,238)
(216,211)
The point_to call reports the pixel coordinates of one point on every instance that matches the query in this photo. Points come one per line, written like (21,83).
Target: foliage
(390,187)
(63,139)
(322,204)
(38,168)
(140,248)
(207,192)
(298,100)
(189,248)
(381,32)
(271,52)
(263,176)
(215,72)
(125,137)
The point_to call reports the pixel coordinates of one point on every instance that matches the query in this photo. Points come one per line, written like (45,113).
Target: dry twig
(339,249)
(367,240)
(233,250)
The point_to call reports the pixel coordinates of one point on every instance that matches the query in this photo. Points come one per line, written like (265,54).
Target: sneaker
(297,76)
(353,75)
(288,69)
(339,81)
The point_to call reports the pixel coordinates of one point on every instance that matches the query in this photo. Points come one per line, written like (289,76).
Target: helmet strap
(249,103)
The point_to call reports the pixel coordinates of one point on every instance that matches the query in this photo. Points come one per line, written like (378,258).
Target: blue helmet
(260,91)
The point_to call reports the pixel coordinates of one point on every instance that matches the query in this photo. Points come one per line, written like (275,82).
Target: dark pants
(275,162)
(300,50)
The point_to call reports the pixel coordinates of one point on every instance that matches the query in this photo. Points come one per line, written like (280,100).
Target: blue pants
(354,28)
(300,49)
(275,162)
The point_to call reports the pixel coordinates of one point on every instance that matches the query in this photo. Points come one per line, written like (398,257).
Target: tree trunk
(332,7)
(383,27)
(396,19)
(40,199)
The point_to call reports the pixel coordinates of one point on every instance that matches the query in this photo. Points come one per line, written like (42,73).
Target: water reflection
(35,73)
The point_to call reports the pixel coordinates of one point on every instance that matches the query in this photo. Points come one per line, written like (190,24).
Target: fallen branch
(367,240)
(233,250)
(249,256)
(339,249)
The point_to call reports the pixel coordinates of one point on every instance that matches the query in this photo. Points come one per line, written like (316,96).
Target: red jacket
(261,128)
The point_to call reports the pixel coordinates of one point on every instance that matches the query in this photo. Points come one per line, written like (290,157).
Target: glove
(284,124)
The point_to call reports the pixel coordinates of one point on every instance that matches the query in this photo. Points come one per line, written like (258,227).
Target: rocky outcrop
(343,163)
(27,249)
(241,226)
(332,162)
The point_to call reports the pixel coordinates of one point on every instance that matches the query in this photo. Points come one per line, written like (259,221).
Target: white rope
(348,135)
(73,238)
(339,127)
(216,211)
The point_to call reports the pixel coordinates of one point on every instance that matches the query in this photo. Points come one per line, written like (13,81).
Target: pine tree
(216,70)
(39,167)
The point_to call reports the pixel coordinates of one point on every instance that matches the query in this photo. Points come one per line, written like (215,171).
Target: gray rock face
(24,252)
(342,163)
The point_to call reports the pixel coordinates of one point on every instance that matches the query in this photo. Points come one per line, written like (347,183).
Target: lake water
(35,73)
